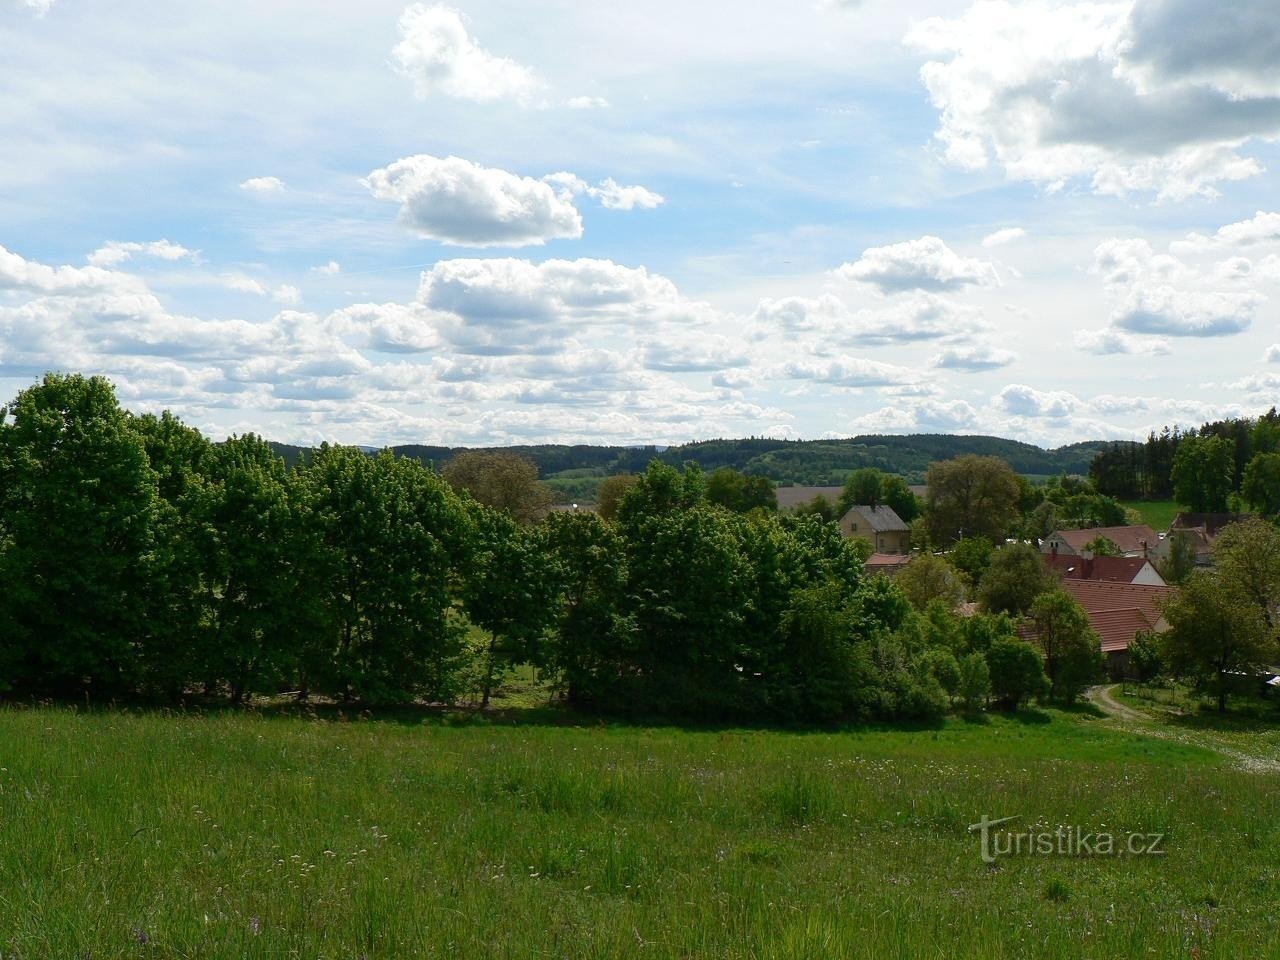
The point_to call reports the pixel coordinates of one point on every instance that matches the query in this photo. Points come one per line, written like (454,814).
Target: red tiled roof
(887,562)
(1113,569)
(1117,611)
(1133,539)
(1117,628)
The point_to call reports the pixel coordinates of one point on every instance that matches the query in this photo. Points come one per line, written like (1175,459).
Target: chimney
(1146,550)
(1087,556)
(1053,549)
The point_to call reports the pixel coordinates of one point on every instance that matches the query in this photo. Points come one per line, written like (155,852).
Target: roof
(791,497)
(881,519)
(1111,569)
(1133,539)
(883,562)
(1211,523)
(1117,611)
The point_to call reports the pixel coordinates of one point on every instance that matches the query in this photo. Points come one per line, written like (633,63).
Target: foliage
(1261,485)
(928,577)
(1144,657)
(1017,576)
(1202,473)
(739,492)
(972,557)
(1180,560)
(1017,673)
(971,496)
(1072,651)
(504,481)
(1101,546)
(975,682)
(612,490)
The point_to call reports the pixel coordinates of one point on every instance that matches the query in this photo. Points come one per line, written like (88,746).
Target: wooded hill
(783,461)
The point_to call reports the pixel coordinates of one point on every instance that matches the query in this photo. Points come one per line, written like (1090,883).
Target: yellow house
(880,526)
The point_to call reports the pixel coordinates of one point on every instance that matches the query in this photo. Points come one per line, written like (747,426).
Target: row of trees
(1222,465)
(139,559)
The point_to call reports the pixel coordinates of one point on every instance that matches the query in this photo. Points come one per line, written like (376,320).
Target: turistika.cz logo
(1064,841)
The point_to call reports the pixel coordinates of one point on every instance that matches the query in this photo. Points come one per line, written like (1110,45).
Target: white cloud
(459,202)
(437,52)
(1023,401)
(330,269)
(920,317)
(924,264)
(1273,353)
(610,194)
(286,294)
(18,273)
(243,284)
(587,103)
(114,252)
(846,371)
(1263,227)
(1004,237)
(1186,313)
(39,7)
(973,359)
(1109,341)
(1110,91)
(263,185)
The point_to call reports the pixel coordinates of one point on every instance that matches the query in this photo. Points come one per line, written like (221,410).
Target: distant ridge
(815,462)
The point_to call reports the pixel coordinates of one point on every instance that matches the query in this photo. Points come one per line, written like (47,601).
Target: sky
(610,222)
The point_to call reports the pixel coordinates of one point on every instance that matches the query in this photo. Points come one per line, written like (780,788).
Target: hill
(575,470)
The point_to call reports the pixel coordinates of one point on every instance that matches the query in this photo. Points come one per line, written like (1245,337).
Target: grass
(249,835)
(1157,514)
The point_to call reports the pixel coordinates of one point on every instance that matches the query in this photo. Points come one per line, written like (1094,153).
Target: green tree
(1103,547)
(820,507)
(383,536)
(1144,657)
(77,511)
(1181,558)
(612,490)
(975,682)
(1261,486)
(1072,651)
(895,492)
(942,664)
(972,557)
(971,496)
(1247,554)
(928,577)
(1203,470)
(503,481)
(862,488)
(1017,672)
(1215,631)
(739,492)
(1017,576)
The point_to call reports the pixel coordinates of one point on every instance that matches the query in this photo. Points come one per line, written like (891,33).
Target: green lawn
(242,835)
(1157,514)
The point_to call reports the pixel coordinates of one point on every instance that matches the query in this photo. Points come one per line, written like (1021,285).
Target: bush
(1017,673)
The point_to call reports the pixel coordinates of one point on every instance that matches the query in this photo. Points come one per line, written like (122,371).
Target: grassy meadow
(1157,514)
(129,834)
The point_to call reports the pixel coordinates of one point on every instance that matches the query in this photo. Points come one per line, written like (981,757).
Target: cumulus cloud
(263,185)
(1023,401)
(610,194)
(39,7)
(973,359)
(18,273)
(921,317)
(1144,96)
(1109,341)
(437,52)
(459,202)
(1263,227)
(924,264)
(114,252)
(1273,353)
(330,269)
(1004,237)
(587,103)
(846,371)
(1183,313)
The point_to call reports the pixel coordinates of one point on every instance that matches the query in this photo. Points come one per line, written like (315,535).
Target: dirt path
(1147,725)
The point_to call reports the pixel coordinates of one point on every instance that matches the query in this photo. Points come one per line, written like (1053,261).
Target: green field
(242,835)
(1157,514)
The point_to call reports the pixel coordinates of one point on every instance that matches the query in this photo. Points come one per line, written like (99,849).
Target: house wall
(889,541)
(1150,577)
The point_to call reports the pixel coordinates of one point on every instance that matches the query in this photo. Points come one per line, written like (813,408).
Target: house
(879,525)
(887,563)
(1118,612)
(1108,569)
(1201,529)
(1134,541)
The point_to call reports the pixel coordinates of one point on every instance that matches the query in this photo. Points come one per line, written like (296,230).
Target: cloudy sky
(624,222)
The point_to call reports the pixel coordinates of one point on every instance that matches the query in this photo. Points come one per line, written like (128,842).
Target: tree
(77,511)
(942,664)
(1261,486)
(1017,672)
(823,676)
(509,591)
(895,492)
(738,492)
(381,538)
(1017,576)
(1103,547)
(1144,657)
(1181,558)
(971,496)
(972,557)
(928,577)
(503,481)
(1215,631)
(1247,554)
(862,488)
(820,507)
(1072,651)
(612,490)
(1202,474)
(975,682)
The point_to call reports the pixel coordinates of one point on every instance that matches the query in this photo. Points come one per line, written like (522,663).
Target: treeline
(139,560)
(577,470)
(1206,469)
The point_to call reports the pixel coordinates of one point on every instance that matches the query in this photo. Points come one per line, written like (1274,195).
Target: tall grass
(238,835)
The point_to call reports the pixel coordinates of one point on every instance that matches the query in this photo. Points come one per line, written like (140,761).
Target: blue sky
(610,222)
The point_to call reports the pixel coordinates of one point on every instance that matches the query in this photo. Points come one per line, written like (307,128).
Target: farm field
(247,835)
